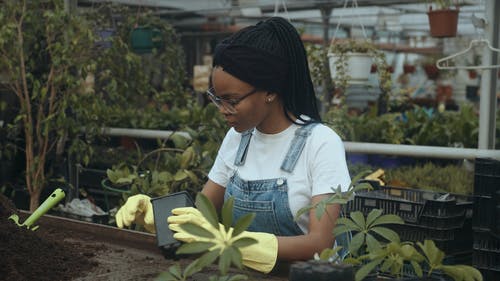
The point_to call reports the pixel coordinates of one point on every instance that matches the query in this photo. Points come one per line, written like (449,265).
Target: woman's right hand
(138,209)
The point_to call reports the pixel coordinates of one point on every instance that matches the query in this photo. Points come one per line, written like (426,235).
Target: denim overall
(267,198)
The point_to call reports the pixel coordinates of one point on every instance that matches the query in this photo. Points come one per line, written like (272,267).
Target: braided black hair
(279,38)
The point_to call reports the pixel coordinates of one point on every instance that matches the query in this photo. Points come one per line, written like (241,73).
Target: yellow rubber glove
(260,256)
(138,209)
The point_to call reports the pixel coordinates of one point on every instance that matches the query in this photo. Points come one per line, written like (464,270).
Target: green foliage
(392,258)
(434,259)
(338,197)
(448,178)
(418,126)
(136,90)
(367,229)
(342,50)
(442,4)
(44,53)
(228,254)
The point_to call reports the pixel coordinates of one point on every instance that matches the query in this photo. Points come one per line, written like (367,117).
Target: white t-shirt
(320,167)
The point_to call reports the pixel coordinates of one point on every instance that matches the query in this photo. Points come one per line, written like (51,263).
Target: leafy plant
(44,51)
(344,48)
(367,229)
(429,176)
(434,259)
(227,254)
(442,4)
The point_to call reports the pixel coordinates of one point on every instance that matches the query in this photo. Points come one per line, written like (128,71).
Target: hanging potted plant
(144,39)
(443,19)
(351,62)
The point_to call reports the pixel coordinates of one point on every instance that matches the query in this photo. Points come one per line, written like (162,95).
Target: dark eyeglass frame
(228,104)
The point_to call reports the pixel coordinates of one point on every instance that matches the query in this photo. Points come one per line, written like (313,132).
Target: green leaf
(366,269)
(196,230)
(372,216)
(207,209)
(371,242)
(194,247)
(357,241)
(388,219)
(192,268)
(166,276)
(243,223)
(387,233)
(208,258)
(358,218)
(225,261)
(417,268)
(186,157)
(227,213)
(236,257)
(175,271)
(320,209)
(349,224)
(238,277)
(180,175)
(339,229)
(302,211)
(243,242)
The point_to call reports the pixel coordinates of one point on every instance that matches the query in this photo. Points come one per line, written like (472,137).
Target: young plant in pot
(443,19)
(375,250)
(351,62)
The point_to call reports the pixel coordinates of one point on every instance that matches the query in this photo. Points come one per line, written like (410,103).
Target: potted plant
(351,62)
(443,20)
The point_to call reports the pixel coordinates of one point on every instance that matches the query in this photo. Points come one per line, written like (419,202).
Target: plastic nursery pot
(443,23)
(408,68)
(431,71)
(357,69)
(144,39)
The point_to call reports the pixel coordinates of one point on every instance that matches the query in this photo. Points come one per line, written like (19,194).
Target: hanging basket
(443,23)
(144,39)
(357,67)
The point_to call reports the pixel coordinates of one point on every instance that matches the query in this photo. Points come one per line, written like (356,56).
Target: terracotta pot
(444,93)
(472,74)
(432,71)
(443,23)
(408,68)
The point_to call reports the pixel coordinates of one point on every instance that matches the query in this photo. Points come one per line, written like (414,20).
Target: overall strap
(298,143)
(241,154)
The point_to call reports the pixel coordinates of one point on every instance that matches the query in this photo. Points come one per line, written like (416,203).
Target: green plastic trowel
(52,200)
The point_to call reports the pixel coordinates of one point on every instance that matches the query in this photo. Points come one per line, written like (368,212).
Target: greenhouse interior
(250,140)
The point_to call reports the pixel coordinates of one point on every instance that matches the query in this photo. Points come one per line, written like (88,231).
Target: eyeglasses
(227,103)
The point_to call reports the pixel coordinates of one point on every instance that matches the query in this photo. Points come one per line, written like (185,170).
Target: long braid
(278,37)
(300,97)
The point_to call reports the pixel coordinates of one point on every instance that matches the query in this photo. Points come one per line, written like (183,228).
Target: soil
(57,251)
(37,255)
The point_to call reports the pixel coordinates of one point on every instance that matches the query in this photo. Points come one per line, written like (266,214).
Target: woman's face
(250,111)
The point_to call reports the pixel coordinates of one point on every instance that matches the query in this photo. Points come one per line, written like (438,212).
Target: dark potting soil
(40,254)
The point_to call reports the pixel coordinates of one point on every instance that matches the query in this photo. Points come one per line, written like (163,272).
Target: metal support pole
(437,152)
(70,6)
(326,12)
(488,100)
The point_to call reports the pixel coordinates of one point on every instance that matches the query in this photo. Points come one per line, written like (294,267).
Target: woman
(277,157)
